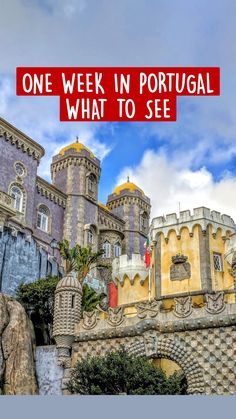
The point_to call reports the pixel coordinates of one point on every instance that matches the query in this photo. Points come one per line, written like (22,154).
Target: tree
(69,255)
(80,259)
(119,372)
(91,299)
(38,300)
(87,259)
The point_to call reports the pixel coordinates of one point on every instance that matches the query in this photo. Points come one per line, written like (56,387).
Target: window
(43,218)
(60,301)
(91,184)
(143,222)
(20,169)
(117,250)
(217,259)
(90,237)
(17,194)
(107,249)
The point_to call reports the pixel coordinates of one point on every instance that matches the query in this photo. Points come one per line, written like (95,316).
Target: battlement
(202,216)
(124,267)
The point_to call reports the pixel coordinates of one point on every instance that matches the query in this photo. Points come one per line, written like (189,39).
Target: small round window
(20,169)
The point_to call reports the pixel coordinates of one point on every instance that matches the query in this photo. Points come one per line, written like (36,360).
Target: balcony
(6,207)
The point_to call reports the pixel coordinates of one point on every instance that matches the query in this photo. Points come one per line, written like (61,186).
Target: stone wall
(49,373)
(207,356)
(9,155)
(22,261)
(200,339)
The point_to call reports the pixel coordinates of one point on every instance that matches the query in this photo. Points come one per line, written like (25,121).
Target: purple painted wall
(9,155)
(90,212)
(61,180)
(57,216)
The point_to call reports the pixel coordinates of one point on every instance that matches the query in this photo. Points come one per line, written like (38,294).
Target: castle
(68,208)
(181,314)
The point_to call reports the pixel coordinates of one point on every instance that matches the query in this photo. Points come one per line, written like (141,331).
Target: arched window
(91,185)
(43,217)
(117,250)
(107,249)
(90,237)
(144,222)
(18,196)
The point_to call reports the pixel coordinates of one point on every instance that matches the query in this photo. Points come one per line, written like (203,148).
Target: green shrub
(118,372)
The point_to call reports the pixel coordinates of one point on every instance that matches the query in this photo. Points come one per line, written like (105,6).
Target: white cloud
(109,33)
(167,184)
(6,92)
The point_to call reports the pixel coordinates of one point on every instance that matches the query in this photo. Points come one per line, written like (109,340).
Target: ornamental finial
(77,139)
(128,179)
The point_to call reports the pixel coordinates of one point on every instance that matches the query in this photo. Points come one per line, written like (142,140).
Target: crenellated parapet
(131,268)
(201,216)
(20,140)
(65,162)
(51,192)
(78,156)
(115,201)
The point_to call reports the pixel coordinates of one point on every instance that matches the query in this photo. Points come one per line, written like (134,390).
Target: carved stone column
(205,263)
(158,265)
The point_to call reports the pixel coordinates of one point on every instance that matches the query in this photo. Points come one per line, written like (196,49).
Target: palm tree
(87,259)
(90,299)
(80,259)
(69,255)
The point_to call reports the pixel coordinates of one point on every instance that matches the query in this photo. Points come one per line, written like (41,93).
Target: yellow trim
(77,147)
(103,206)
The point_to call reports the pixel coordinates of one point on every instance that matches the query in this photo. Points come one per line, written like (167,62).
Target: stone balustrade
(6,208)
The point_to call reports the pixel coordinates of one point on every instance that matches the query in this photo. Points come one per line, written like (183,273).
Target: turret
(67,312)
(76,172)
(129,202)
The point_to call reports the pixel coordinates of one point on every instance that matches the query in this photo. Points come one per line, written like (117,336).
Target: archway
(168,366)
(154,347)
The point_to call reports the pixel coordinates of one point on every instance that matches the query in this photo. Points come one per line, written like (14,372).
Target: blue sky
(191,161)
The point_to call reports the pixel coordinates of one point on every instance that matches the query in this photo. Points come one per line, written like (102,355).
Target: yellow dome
(77,147)
(127,185)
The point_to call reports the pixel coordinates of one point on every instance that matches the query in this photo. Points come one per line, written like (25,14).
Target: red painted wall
(113,293)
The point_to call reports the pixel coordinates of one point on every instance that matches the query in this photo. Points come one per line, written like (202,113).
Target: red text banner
(116,93)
